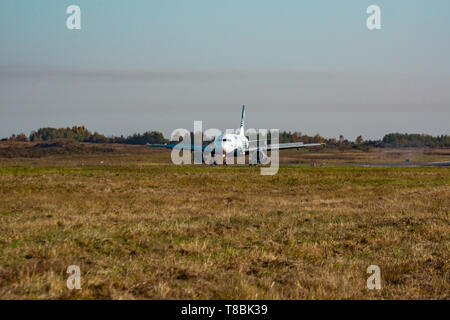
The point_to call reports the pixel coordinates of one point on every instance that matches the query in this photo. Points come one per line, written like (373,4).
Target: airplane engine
(210,159)
(262,157)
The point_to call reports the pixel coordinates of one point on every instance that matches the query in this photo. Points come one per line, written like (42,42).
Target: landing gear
(210,161)
(258,158)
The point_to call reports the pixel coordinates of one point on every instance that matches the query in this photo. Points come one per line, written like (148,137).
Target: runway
(406,164)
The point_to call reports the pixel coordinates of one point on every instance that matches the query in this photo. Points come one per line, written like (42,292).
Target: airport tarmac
(406,164)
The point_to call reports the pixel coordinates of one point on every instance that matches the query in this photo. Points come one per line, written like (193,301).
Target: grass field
(139,228)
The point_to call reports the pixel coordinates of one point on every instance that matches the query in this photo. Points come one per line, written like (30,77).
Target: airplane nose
(227,147)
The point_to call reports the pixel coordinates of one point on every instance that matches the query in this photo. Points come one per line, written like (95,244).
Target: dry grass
(140,230)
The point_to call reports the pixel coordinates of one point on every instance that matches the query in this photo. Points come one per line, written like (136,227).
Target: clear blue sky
(310,66)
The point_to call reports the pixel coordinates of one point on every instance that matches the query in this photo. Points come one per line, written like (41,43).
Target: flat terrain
(140,228)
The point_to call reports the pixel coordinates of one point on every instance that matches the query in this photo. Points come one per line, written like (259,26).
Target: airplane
(236,144)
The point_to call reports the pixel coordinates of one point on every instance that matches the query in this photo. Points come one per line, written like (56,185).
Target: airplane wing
(281,146)
(180,146)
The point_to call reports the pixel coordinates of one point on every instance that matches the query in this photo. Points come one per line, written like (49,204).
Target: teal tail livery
(236,144)
(241,128)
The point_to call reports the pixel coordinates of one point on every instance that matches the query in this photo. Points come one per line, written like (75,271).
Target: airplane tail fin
(241,128)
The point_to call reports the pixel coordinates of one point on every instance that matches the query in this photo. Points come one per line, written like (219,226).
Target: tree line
(82,134)
(393,140)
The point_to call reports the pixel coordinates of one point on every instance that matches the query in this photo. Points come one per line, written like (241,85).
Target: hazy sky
(310,66)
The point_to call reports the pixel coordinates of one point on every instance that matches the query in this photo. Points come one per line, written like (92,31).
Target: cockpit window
(225,140)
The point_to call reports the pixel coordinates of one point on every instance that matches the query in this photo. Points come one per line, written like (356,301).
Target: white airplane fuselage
(232,143)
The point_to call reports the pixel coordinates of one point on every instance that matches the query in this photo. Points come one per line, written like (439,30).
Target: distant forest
(82,134)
